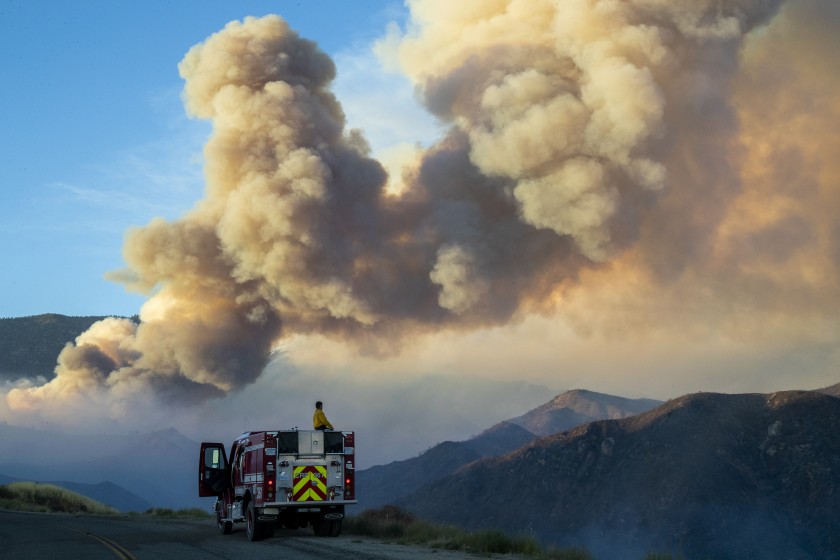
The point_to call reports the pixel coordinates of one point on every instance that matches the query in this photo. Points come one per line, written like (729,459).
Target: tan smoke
(602,154)
(744,240)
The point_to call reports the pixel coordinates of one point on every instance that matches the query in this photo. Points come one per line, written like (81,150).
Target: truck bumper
(309,506)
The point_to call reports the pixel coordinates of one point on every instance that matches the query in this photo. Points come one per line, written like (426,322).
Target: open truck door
(213,470)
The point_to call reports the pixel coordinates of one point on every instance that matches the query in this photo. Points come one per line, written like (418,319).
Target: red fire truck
(285,478)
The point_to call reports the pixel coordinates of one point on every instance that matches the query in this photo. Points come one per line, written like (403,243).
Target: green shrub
(393,523)
(389,522)
(185,513)
(497,542)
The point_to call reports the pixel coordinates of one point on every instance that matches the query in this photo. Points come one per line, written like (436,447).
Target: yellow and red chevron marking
(310,483)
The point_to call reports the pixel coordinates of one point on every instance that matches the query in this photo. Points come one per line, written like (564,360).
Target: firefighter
(319,419)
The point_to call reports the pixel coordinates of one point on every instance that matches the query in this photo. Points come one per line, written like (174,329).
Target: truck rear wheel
(252,529)
(327,528)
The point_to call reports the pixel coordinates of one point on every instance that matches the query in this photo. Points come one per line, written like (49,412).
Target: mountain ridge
(387,483)
(383,483)
(757,476)
(578,406)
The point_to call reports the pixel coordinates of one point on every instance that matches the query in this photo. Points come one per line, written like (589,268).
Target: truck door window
(212,458)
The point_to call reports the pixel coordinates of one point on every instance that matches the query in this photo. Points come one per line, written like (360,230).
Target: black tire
(253,530)
(327,528)
(225,527)
(320,528)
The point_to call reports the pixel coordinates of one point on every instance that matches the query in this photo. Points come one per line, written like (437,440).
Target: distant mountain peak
(579,406)
(833,390)
(168,438)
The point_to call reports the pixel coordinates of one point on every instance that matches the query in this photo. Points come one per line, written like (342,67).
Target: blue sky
(95,138)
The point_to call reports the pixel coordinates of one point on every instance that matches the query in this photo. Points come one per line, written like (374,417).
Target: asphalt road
(31,536)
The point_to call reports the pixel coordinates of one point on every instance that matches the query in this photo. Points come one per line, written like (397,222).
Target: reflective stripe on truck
(310,483)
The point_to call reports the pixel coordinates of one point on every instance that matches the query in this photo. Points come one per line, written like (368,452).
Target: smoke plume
(600,155)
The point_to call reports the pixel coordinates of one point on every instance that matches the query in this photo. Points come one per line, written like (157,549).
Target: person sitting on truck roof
(320,419)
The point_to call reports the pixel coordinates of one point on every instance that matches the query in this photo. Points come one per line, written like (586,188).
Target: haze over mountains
(446,405)
(155,469)
(133,460)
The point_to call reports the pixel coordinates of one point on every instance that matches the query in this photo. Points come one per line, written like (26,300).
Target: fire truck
(286,478)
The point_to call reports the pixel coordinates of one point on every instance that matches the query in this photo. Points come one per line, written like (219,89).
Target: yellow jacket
(319,419)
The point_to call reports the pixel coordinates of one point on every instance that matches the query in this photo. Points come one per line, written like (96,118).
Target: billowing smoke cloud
(601,144)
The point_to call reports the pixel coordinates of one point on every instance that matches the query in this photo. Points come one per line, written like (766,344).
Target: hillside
(703,476)
(386,483)
(29,346)
(573,408)
(34,496)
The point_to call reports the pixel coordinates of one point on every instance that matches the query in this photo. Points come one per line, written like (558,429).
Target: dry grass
(395,524)
(33,496)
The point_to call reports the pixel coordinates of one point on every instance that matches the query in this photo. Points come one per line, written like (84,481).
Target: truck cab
(284,478)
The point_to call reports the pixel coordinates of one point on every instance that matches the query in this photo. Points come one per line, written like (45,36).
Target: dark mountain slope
(573,408)
(386,483)
(29,346)
(704,476)
(502,438)
(833,390)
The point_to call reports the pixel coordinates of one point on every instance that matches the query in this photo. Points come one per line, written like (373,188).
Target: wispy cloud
(159,179)
(381,102)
